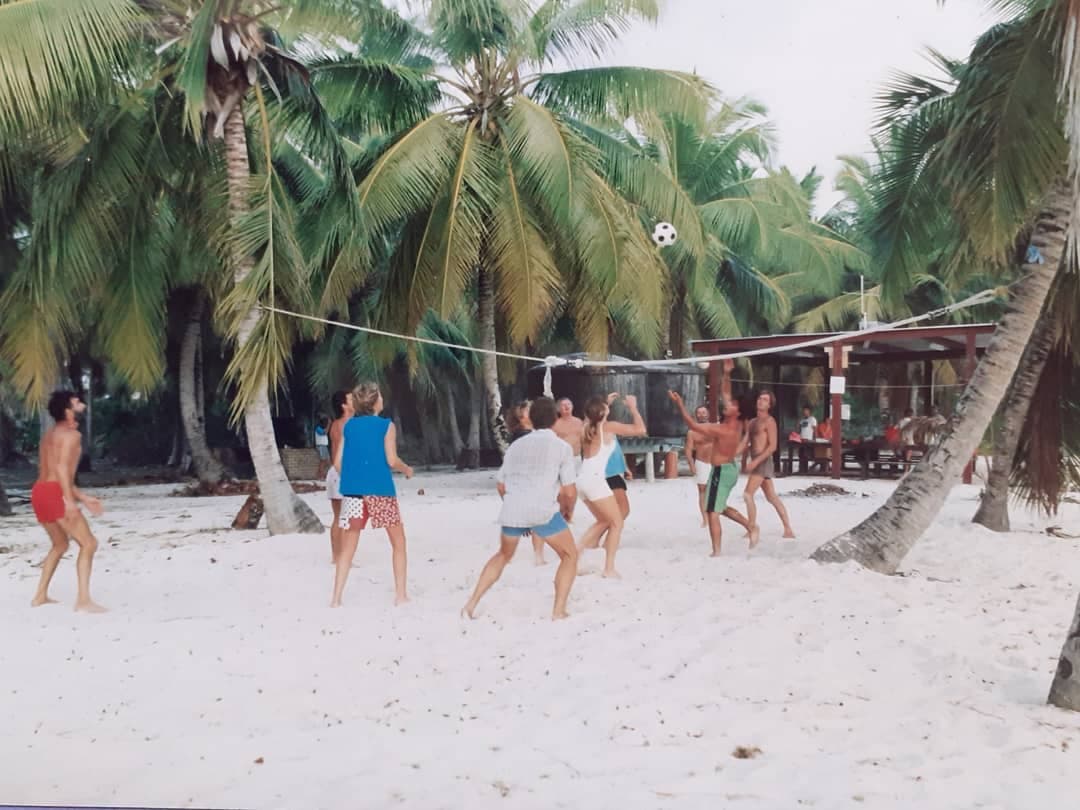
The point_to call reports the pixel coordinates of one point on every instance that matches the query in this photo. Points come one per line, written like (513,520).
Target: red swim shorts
(47,498)
(381,510)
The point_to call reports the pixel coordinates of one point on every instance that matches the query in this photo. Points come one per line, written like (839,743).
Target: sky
(816,64)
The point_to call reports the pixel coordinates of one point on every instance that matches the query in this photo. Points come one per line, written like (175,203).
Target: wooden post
(928,391)
(671,464)
(836,413)
(969,372)
(714,390)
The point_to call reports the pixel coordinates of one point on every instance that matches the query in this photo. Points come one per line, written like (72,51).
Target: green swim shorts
(722,480)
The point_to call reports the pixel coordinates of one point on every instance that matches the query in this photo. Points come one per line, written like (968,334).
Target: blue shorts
(552,527)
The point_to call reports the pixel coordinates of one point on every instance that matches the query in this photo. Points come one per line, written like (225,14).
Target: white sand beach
(220,678)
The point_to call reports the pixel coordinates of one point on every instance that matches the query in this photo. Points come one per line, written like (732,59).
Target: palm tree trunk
(993,511)
(1065,690)
(456,443)
(490,363)
(192,408)
(471,459)
(5,506)
(883,540)
(285,512)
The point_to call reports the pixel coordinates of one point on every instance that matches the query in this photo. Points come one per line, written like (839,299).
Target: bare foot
(715,554)
(467,611)
(755,537)
(612,574)
(562,614)
(539,560)
(42,600)
(789,535)
(89,606)
(401,600)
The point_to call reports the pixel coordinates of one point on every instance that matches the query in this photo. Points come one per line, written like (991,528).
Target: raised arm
(707,429)
(390,445)
(635,428)
(725,380)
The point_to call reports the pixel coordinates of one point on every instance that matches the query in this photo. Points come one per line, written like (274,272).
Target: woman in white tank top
(597,445)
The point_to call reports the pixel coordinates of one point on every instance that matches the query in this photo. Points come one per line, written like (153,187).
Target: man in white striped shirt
(537,475)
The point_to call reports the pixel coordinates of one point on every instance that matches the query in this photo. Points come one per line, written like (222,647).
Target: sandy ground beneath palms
(220,678)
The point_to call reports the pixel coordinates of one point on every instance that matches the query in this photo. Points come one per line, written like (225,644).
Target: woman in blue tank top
(366,458)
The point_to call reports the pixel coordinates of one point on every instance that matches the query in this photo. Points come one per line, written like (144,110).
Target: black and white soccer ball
(664,234)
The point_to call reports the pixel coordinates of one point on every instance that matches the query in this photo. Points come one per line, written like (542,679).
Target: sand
(221,678)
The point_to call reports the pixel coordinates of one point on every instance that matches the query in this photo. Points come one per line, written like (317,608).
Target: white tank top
(596,466)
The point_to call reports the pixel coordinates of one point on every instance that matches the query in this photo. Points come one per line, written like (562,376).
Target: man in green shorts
(728,441)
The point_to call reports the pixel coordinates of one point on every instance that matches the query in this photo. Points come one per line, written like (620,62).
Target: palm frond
(56,54)
(640,180)
(527,280)
(619,93)
(563,28)
(411,173)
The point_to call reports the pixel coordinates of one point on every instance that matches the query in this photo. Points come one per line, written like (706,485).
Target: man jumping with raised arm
(56,499)
(727,443)
(699,458)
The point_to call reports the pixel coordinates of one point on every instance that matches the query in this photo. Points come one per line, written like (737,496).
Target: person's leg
(492,571)
(563,544)
(623,499)
(715,532)
(608,509)
(396,534)
(752,486)
(335,530)
(770,495)
(591,538)
(349,540)
(538,550)
(59,547)
(78,529)
(701,503)
(733,514)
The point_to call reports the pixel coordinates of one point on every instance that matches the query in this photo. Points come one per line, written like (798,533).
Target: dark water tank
(649,384)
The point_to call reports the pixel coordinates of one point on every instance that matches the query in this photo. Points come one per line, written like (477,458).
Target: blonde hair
(365,395)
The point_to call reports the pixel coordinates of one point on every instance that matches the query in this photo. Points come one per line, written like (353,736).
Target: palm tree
(211,63)
(755,221)
(1002,163)
(498,189)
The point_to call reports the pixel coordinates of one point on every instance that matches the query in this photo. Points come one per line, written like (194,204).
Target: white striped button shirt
(533,469)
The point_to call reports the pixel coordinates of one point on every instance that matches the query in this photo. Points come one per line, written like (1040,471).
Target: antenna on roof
(864,322)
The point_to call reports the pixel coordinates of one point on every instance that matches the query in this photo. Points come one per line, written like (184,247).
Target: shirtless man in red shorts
(55,499)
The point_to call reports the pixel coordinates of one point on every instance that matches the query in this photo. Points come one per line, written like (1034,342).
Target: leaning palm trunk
(993,511)
(5,506)
(285,512)
(883,540)
(1065,690)
(486,307)
(192,407)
